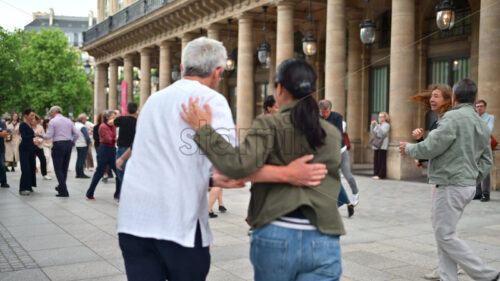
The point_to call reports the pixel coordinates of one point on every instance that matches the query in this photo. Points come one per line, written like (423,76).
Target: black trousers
(380,163)
(43,162)
(61,154)
(159,260)
(28,164)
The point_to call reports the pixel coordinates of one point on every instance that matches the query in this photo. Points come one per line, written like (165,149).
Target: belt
(63,141)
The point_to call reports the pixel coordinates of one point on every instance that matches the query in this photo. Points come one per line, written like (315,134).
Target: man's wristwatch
(211,182)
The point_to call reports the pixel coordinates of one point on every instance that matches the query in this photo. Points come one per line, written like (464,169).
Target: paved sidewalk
(389,238)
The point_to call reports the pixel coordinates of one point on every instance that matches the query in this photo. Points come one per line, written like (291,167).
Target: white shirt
(81,141)
(164,190)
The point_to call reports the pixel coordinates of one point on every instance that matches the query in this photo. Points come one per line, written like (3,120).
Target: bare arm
(125,156)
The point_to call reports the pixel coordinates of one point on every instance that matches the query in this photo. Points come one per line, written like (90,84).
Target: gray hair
(55,109)
(202,56)
(325,104)
(107,114)
(81,117)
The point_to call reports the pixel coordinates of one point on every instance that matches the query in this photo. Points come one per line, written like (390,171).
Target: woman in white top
(381,131)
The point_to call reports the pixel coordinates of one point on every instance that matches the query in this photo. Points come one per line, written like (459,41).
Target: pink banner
(124,97)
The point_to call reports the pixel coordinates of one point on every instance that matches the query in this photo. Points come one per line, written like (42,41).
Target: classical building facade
(409,53)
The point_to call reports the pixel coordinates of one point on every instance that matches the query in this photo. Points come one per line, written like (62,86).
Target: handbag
(494,143)
(8,138)
(347,142)
(377,142)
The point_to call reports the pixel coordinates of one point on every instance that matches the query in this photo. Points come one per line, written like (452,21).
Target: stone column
(113,7)
(101,73)
(245,73)
(354,101)
(272,63)
(213,31)
(489,71)
(474,47)
(401,88)
(185,40)
(284,32)
(100,10)
(129,76)
(335,57)
(113,80)
(165,64)
(145,75)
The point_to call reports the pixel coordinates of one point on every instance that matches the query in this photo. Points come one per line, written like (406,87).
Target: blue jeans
(80,159)
(3,175)
(119,174)
(343,197)
(106,155)
(283,254)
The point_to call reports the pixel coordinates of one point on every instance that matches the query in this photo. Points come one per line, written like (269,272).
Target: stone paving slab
(389,237)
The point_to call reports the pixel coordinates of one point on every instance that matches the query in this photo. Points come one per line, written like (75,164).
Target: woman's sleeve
(244,160)
(381,131)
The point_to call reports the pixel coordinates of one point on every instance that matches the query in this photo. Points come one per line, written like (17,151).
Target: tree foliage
(43,71)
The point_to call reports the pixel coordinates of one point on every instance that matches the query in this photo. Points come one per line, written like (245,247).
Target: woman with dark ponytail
(296,229)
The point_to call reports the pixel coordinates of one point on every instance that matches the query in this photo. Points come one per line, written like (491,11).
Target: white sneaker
(46,177)
(434,275)
(355,199)
(376,177)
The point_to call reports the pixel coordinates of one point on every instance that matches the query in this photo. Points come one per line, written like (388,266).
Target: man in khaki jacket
(460,157)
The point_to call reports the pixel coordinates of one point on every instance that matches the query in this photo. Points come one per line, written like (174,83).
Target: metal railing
(133,12)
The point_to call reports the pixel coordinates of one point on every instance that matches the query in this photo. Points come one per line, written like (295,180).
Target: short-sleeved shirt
(3,127)
(127,130)
(164,190)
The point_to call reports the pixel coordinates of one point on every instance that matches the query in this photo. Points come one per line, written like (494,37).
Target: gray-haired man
(64,134)
(460,157)
(82,145)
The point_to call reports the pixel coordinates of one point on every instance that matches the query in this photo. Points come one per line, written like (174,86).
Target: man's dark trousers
(3,175)
(61,154)
(80,160)
(157,260)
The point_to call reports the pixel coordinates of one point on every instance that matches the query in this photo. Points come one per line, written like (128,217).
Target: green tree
(52,74)
(11,45)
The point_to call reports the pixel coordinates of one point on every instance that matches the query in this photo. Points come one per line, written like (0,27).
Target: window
(106,8)
(379,90)
(120,4)
(261,92)
(384,23)
(70,37)
(448,70)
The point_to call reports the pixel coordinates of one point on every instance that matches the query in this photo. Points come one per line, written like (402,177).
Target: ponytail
(305,116)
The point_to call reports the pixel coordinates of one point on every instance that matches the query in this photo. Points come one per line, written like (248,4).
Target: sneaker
(478,196)
(376,177)
(212,215)
(25,192)
(250,232)
(105,180)
(434,275)
(355,199)
(5,185)
(350,210)
(47,177)
(222,209)
(485,198)
(90,198)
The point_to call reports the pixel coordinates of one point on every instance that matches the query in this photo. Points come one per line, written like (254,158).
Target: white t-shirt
(164,190)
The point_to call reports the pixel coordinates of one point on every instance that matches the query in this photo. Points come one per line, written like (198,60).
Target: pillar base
(399,167)
(357,152)
(495,171)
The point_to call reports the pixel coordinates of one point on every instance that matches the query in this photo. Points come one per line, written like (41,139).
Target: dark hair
(483,102)
(45,124)
(299,78)
(99,118)
(268,102)
(27,111)
(131,107)
(465,91)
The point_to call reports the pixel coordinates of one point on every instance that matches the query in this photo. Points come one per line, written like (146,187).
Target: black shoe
(62,195)
(350,210)
(485,198)
(212,215)
(83,177)
(13,170)
(497,278)
(105,180)
(478,196)
(5,185)
(222,209)
(57,189)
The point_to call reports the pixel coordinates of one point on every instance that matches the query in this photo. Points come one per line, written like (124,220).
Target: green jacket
(458,149)
(274,140)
